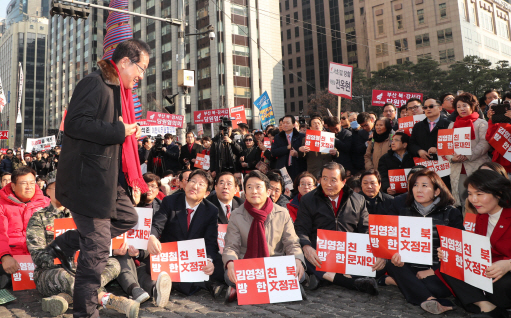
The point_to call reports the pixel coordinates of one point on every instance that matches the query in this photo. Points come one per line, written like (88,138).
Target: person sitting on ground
(397,157)
(277,189)
(250,227)
(224,197)
(377,202)
(304,183)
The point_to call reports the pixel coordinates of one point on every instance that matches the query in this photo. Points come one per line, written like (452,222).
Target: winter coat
(422,138)
(219,152)
(282,201)
(14,217)
(343,143)
(359,141)
(389,162)
(381,204)
(316,212)
(479,156)
(500,239)
(252,157)
(279,149)
(6,165)
(292,206)
(374,152)
(186,154)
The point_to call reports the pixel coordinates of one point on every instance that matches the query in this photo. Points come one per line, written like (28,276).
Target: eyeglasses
(25,183)
(202,185)
(249,140)
(307,185)
(449,98)
(225,184)
(430,106)
(389,111)
(142,71)
(413,107)
(152,187)
(9,153)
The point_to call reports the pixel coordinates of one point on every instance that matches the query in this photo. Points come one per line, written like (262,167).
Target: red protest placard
(61,226)
(118,241)
(441,166)
(411,237)
(345,253)
(398,180)
(267,142)
(3,151)
(164,119)
(24,278)
(222,230)
(238,113)
(267,280)
(319,141)
(470,222)
(379,97)
(466,256)
(501,140)
(445,146)
(4,134)
(210,116)
(406,123)
(183,261)
(454,141)
(202,161)
(138,236)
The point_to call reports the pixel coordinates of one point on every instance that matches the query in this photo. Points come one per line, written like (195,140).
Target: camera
(158,143)
(301,119)
(225,123)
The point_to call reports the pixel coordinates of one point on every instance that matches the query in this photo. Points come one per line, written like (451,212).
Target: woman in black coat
(427,197)
(251,154)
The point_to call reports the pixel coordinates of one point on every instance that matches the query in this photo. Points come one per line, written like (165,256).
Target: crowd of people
(244,188)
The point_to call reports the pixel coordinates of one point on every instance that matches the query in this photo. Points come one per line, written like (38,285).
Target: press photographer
(164,149)
(155,163)
(225,150)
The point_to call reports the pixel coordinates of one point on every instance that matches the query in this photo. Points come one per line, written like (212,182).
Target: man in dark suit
(285,148)
(189,151)
(187,216)
(223,198)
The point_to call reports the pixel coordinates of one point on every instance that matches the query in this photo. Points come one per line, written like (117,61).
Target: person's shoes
(231,295)
(161,291)
(302,290)
(5,281)
(215,288)
(311,282)
(139,295)
(367,285)
(55,305)
(437,306)
(495,313)
(126,306)
(67,262)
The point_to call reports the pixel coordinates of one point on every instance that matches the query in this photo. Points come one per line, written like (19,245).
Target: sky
(3,7)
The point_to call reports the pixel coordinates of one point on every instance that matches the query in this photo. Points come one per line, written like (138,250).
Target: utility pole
(181,106)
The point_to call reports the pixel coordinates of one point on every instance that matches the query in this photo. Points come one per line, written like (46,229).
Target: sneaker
(367,285)
(161,291)
(55,305)
(139,295)
(123,305)
(231,295)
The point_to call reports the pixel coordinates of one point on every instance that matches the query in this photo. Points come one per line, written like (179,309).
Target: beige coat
(479,156)
(374,152)
(280,234)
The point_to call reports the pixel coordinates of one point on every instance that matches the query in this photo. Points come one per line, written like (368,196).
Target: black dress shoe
(67,262)
(215,288)
(495,313)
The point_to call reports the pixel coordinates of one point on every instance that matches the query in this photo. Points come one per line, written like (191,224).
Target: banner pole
(338,106)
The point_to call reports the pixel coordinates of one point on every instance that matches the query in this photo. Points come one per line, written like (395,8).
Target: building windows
(239,29)
(239,10)
(297,47)
(242,71)
(422,40)
(300,90)
(151,36)
(203,12)
(295,3)
(288,32)
(286,4)
(401,45)
(242,92)
(423,56)
(444,36)
(298,62)
(401,61)
(420,16)
(295,16)
(486,20)
(503,29)
(289,49)
(309,60)
(292,92)
(379,24)
(149,4)
(297,32)
(446,56)
(308,45)
(166,47)
(290,64)
(382,49)
(381,66)
(299,76)
(288,19)
(293,106)
(399,21)
(442,7)
(291,78)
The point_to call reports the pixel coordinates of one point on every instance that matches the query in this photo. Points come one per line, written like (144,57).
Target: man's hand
(293,153)
(230,272)
(153,246)
(432,150)
(129,129)
(299,269)
(304,149)
(122,250)
(425,273)
(10,265)
(333,152)
(164,149)
(133,252)
(396,260)
(424,155)
(227,139)
(440,254)
(380,264)
(138,133)
(310,254)
(209,268)
(498,269)
(244,165)
(136,195)
(242,158)
(391,191)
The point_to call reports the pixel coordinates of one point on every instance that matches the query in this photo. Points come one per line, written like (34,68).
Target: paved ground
(329,301)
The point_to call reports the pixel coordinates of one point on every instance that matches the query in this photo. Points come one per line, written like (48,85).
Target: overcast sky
(3,7)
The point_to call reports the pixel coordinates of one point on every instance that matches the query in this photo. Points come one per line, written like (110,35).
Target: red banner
(4,134)
(397,98)
(61,128)
(24,278)
(470,222)
(61,226)
(164,119)
(406,123)
(238,113)
(441,166)
(209,116)
(398,180)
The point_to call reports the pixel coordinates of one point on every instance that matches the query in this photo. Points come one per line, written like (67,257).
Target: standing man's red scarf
(130,159)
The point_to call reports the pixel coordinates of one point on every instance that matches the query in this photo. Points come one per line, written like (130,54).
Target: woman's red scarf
(467,121)
(130,158)
(257,246)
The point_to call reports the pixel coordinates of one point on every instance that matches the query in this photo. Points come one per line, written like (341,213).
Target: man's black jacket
(424,139)
(389,162)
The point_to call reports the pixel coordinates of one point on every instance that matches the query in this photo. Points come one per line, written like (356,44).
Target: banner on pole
(238,114)
(399,99)
(210,116)
(263,103)
(3,100)
(340,80)
(19,120)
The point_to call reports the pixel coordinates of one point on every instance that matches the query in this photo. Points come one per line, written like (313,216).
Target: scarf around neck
(257,246)
(467,121)
(130,159)
(426,210)
(380,138)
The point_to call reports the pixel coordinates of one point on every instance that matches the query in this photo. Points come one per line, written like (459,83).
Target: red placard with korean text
(183,261)
(24,278)
(319,141)
(138,236)
(267,142)
(238,113)
(501,140)
(466,256)
(470,222)
(202,161)
(345,253)
(445,146)
(61,226)
(209,116)
(411,237)
(441,166)
(4,134)
(267,280)
(399,99)
(406,123)
(164,119)
(398,180)
(222,230)
(454,141)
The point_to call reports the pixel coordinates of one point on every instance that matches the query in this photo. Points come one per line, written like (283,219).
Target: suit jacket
(279,149)
(500,239)
(186,154)
(222,219)
(424,139)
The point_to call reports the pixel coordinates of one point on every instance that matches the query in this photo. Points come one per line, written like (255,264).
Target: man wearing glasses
(18,201)
(224,197)
(390,111)
(414,107)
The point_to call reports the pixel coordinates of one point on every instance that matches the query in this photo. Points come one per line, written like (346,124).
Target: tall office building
(18,10)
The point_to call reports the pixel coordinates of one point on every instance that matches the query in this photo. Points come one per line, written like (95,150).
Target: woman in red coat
(490,194)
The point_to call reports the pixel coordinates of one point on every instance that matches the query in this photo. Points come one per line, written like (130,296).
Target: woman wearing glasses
(447,105)
(462,166)
(304,183)
(251,154)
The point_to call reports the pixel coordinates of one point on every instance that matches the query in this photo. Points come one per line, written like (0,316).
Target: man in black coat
(398,157)
(90,181)
(333,206)
(377,202)
(171,153)
(359,141)
(225,152)
(223,198)
(189,152)
(285,148)
(343,142)
(170,224)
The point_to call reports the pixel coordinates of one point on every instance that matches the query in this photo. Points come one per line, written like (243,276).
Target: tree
(472,75)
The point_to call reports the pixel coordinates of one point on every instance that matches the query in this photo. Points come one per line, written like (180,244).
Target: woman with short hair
(379,144)
(304,183)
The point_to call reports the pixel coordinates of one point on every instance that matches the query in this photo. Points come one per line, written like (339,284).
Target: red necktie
(228,207)
(334,205)
(188,217)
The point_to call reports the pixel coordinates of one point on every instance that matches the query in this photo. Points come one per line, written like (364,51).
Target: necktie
(188,217)
(431,125)
(228,207)
(289,142)
(334,206)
